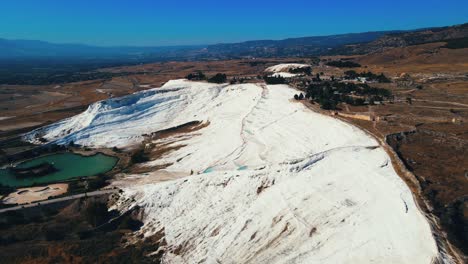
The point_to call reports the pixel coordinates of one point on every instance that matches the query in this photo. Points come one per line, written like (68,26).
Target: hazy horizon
(214,43)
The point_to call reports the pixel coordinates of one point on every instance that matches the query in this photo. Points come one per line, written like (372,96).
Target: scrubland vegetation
(343,64)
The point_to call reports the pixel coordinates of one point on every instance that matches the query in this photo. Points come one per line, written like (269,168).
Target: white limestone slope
(122,121)
(277,183)
(285,67)
(285,74)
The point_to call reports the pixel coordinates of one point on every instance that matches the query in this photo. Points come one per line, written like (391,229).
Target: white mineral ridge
(285,74)
(276,183)
(285,67)
(122,121)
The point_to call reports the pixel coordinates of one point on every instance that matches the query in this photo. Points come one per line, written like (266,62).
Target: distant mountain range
(293,46)
(11,49)
(355,43)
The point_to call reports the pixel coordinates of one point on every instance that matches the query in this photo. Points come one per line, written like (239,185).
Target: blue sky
(171,22)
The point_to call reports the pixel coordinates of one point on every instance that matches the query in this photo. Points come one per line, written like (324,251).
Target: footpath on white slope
(276,183)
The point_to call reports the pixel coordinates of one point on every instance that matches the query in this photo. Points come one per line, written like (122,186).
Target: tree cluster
(235,80)
(381,78)
(304,70)
(330,94)
(274,79)
(198,75)
(459,43)
(299,97)
(218,78)
(343,64)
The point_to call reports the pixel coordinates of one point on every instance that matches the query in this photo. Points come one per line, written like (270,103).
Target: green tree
(218,78)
